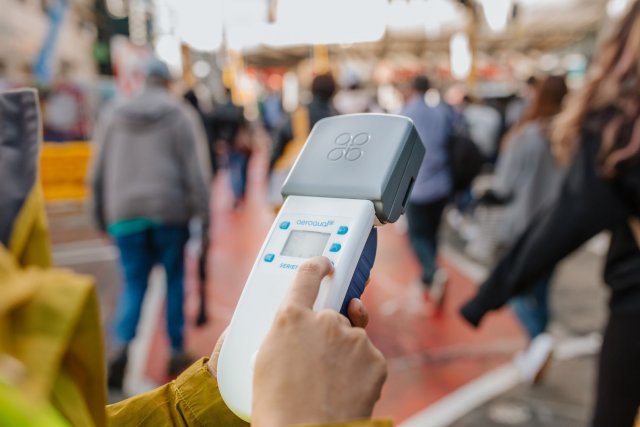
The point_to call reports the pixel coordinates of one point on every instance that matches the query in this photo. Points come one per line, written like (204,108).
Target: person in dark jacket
(323,88)
(432,188)
(527,180)
(599,135)
(230,129)
(292,135)
(191,98)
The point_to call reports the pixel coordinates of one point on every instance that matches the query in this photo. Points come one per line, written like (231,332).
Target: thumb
(304,289)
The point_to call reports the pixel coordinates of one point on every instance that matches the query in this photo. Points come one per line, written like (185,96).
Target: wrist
(280,417)
(213,370)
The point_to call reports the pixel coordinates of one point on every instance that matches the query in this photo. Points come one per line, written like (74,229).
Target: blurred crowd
(523,180)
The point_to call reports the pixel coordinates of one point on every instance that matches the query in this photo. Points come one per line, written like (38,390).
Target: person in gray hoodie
(149,179)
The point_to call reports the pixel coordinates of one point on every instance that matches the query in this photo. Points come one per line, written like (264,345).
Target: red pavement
(429,356)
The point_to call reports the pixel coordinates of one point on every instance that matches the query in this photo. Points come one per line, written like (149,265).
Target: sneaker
(116,370)
(534,361)
(438,288)
(179,362)
(454,219)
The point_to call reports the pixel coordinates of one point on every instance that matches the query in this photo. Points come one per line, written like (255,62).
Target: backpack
(465,158)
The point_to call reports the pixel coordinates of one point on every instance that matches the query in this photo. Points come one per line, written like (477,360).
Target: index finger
(304,289)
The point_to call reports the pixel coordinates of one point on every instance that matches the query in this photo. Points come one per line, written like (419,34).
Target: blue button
(343,229)
(284,225)
(335,247)
(269,257)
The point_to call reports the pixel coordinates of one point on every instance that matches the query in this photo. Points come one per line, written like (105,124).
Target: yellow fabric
(300,127)
(17,411)
(29,242)
(192,399)
(49,323)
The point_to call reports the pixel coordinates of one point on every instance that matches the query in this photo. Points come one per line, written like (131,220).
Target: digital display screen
(305,244)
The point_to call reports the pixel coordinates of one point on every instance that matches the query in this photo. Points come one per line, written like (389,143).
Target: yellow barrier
(63,170)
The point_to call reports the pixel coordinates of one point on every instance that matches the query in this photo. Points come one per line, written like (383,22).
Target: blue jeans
(238,163)
(139,252)
(532,308)
(424,221)
(464,201)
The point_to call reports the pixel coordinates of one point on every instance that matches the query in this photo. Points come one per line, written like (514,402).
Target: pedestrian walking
(148,181)
(233,141)
(433,185)
(292,135)
(527,181)
(598,135)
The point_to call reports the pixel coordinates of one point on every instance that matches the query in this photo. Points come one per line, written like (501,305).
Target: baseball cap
(156,69)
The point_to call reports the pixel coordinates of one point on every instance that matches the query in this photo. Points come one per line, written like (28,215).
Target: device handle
(363,270)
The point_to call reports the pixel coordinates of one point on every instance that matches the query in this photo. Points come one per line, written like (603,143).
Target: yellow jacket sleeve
(193,399)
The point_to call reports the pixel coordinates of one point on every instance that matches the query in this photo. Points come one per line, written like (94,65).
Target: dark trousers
(139,252)
(424,222)
(618,393)
(238,163)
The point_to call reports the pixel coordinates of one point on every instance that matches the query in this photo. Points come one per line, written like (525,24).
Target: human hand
(212,364)
(358,315)
(313,367)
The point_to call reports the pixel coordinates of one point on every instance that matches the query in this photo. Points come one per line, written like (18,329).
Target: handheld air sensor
(354,172)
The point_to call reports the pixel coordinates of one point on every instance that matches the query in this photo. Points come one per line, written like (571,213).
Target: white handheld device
(355,171)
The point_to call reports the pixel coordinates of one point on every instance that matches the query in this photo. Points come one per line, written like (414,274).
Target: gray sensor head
(360,156)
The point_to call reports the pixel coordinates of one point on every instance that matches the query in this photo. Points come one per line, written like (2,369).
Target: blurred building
(24,28)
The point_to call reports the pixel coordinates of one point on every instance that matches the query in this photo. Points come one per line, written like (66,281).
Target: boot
(116,370)
(179,361)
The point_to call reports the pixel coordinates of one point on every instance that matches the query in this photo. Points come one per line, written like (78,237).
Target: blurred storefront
(82,53)
(24,25)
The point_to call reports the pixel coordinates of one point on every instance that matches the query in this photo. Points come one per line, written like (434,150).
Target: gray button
(335,154)
(361,138)
(353,154)
(343,139)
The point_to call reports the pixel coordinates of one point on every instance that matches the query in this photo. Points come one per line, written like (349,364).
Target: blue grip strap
(363,270)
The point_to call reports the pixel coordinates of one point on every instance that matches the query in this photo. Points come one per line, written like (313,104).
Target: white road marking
(83,252)
(574,347)
(135,381)
(468,397)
